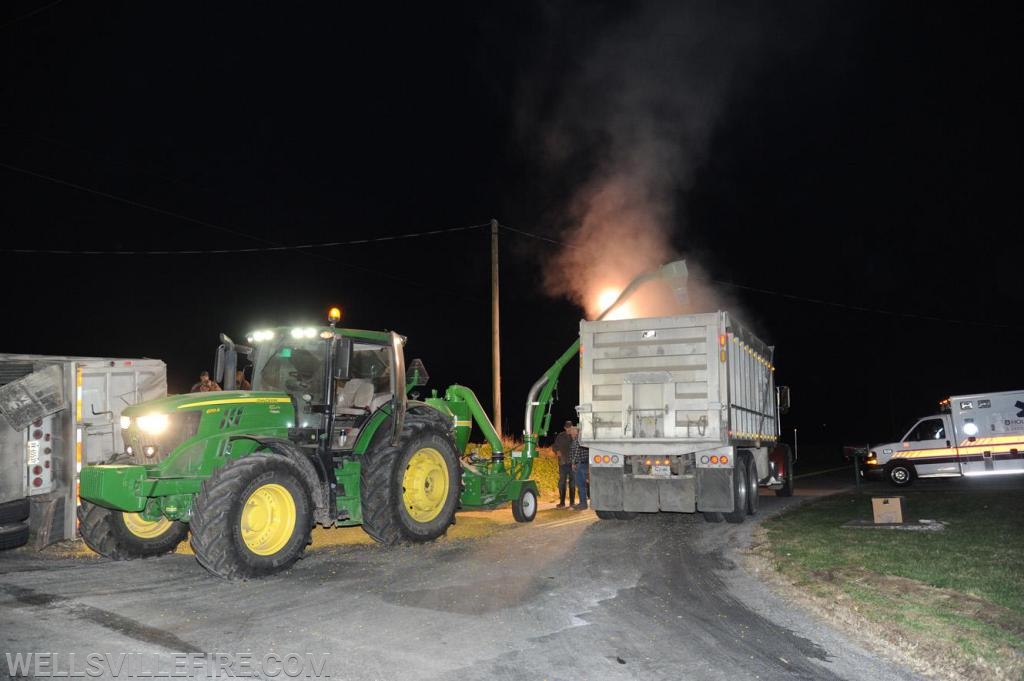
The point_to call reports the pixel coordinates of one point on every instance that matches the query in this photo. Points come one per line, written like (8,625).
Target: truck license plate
(33,453)
(661,471)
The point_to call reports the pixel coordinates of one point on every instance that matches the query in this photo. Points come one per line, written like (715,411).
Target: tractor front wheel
(410,490)
(252,517)
(124,536)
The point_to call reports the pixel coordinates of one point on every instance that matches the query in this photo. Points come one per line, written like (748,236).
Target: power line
(803,299)
(218,251)
(121,199)
(26,15)
(274,248)
(265,249)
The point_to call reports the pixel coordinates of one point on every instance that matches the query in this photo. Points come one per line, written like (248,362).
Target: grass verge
(948,603)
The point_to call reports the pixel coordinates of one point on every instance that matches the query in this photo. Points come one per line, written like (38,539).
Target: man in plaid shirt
(580,457)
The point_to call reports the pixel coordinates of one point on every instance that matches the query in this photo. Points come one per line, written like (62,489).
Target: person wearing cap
(580,457)
(561,445)
(205,385)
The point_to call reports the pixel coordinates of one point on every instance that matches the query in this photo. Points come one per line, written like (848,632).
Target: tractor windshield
(290,365)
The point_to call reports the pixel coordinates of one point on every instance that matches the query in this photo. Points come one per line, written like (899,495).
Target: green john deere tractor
(327,434)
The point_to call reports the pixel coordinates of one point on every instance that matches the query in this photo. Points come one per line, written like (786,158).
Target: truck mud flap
(612,491)
(47,521)
(714,489)
(606,488)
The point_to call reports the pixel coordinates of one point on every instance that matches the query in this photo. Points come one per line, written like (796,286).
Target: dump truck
(680,414)
(333,431)
(59,413)
(972,435)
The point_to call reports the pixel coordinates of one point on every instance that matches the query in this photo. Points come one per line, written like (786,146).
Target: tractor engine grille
(182,426)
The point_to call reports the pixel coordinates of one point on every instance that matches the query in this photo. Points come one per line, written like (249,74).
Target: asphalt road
(565,597)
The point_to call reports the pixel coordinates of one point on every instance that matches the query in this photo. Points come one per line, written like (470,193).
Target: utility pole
(495,329)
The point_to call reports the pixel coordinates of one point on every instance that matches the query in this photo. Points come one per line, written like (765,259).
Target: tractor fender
(422,409)
(319,488)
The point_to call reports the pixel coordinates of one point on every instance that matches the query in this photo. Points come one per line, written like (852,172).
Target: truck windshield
(290,365)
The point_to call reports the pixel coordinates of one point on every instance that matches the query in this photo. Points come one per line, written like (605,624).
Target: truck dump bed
(686,382)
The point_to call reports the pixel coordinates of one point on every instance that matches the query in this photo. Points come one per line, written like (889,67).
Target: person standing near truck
(562,445)
(580,457)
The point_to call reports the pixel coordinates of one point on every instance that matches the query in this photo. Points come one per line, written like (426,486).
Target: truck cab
(980,434)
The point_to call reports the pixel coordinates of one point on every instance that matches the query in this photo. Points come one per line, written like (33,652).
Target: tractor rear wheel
(252,517)
(410,490)
(124,536)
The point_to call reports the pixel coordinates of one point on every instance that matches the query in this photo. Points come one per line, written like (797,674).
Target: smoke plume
(636,112)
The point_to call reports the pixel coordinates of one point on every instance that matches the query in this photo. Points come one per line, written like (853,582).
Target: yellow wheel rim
(425,485)
(145,529)
(268,519)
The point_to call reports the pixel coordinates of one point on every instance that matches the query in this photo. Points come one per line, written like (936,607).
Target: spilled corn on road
(565,597)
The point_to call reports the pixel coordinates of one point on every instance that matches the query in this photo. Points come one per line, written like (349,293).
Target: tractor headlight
(153,424)
(126,421)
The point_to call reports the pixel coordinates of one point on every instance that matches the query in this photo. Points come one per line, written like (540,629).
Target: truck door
(929,446)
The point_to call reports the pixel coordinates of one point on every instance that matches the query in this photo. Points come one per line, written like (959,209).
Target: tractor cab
(336,378)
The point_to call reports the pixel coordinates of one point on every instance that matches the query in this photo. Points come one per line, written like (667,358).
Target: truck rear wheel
(119,535)
(739,493)
(899,473)
(13,535)
(753,500)
(410,490)
(252,517)
(14,511)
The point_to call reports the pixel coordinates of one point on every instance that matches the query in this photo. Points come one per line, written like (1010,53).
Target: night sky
(844,175)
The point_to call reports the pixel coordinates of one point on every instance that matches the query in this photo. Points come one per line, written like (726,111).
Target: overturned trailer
(59,413)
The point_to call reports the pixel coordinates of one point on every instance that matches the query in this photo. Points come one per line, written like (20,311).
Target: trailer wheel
(14,511)
(900,474)
(787,472)
(753,500)
(739,494)
(713,516)
(524,509)
(252,517)
(13,535)
(126,536)
(410,491)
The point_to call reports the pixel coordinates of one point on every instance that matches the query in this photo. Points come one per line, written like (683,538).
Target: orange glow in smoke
(606,297)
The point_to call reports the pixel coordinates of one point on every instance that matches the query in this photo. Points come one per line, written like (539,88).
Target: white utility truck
(680,414)
(979,434)
(59,413)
